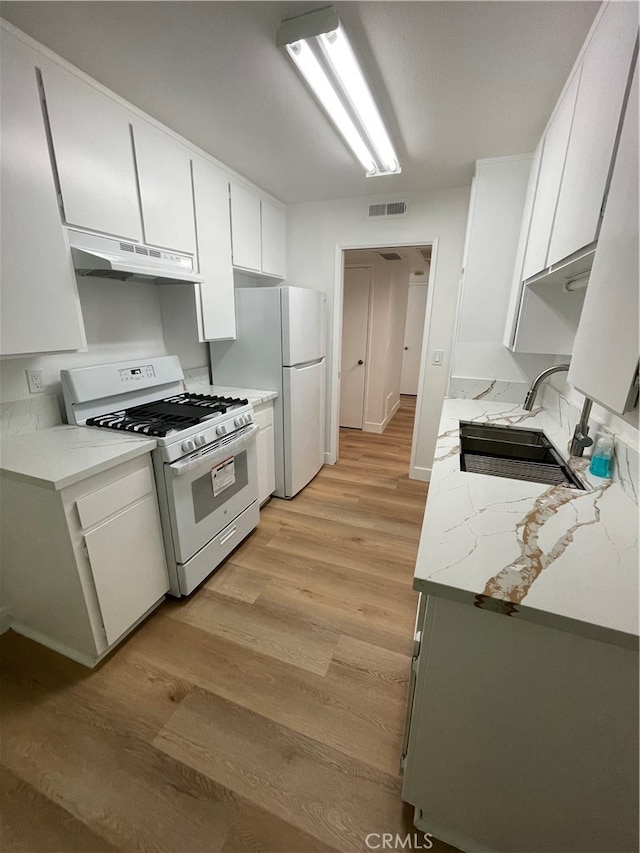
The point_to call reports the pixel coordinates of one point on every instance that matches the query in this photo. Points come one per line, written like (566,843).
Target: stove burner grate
(171,414)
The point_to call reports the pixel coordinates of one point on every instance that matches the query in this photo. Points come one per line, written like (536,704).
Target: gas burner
(170,415)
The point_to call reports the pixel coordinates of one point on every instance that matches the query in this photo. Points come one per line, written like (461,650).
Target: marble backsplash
(487,389)
(626,465)
(22,417)
(196,378)
(43,411)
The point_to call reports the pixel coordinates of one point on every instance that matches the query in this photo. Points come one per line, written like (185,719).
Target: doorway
(355,345)
(413,332)
(384,308)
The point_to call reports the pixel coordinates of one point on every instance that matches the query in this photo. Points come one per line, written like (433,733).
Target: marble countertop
(562,557)
(62,455)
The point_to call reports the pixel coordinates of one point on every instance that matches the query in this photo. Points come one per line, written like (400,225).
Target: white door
(355,333)
(413,332)
(303,399)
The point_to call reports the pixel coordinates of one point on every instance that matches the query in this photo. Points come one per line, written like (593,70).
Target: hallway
(263,713)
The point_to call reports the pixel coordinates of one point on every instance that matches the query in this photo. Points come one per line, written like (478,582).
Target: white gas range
(205,461)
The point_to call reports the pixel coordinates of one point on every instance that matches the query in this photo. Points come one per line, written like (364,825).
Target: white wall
(316,234)
(493,230)
(122,321)
(389,287)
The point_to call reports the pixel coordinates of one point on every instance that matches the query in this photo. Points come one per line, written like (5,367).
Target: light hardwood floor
(264,713)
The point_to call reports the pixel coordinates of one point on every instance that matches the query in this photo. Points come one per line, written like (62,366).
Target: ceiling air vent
(390,256)
(387,210)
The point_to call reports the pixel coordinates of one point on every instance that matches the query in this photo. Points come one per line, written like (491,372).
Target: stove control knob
(200,439)
(221,430)
(188,445)
(239,421)
(248,418)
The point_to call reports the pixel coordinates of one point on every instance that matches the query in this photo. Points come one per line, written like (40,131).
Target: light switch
(438,355)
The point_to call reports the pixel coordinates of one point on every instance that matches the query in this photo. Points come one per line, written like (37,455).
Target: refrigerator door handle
(303,365)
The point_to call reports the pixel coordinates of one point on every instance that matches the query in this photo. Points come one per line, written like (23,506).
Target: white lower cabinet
(83,565)
(265,449)
(521,736)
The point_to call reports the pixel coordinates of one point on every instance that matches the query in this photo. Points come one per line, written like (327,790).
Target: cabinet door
(273,240)
(94,155)
(245,228)
(166,194)
(265,451)
(34,249)
(213,227)
(603,82)
(128,565)
(605,353)
(550,175)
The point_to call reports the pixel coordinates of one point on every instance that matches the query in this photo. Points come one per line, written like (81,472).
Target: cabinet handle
(360,361)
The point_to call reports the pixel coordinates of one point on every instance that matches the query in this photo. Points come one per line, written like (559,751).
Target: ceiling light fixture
(318,45)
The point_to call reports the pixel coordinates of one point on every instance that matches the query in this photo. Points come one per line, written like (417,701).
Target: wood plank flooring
(264,713)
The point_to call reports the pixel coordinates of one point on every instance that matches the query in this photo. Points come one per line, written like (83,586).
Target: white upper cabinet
(603,80)
(213,226)
(605,352)
(257,233)
(560,229)
(166,194)
(273,239)
(91,136)
(554,152)
(40,306)
(245,228)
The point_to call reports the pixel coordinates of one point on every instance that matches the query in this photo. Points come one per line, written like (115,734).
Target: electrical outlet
(35,381)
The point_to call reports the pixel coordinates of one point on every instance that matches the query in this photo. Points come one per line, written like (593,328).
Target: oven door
(207,490)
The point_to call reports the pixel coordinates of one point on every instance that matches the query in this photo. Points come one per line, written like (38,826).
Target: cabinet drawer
(99,505)
(263,416)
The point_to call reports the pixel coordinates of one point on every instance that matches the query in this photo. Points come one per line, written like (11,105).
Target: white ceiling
(456,81)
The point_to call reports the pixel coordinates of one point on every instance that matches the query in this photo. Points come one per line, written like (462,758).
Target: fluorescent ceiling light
(310,69)
(336,48)
(319,46)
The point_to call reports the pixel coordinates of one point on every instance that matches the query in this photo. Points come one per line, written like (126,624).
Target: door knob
(360,361)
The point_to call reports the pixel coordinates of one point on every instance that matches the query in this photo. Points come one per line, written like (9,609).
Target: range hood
(108,257)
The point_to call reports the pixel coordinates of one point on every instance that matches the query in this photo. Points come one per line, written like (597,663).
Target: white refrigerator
(281,346)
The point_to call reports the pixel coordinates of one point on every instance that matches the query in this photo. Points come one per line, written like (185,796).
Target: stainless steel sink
(514,452)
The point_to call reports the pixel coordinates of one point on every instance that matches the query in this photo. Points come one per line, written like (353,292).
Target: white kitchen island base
(522,737)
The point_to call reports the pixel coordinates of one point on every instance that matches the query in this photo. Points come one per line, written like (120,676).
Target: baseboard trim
(418,473)
(5,620)
(378,427)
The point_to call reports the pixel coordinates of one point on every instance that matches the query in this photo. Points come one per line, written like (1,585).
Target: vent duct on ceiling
(387,210)
(390,256)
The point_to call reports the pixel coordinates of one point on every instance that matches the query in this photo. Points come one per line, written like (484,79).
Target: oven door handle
(209,458)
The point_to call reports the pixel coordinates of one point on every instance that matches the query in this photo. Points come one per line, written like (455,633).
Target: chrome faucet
(581,438)
(537,382)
